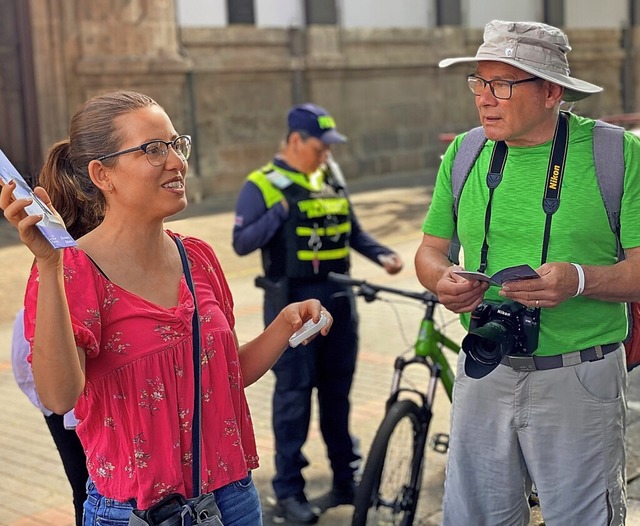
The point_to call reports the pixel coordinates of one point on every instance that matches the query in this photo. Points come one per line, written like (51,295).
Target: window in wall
(324,12)
(554,13)
(241,12)
(448,13)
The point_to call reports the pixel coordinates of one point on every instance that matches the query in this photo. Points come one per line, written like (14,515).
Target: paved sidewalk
(33,488)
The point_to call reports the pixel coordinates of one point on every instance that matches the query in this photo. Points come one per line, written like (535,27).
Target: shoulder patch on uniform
(278,180)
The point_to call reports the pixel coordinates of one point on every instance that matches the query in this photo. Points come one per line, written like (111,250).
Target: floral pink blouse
(136,409)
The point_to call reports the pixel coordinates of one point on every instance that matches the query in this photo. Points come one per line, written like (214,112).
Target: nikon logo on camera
(497,329)
(553,181)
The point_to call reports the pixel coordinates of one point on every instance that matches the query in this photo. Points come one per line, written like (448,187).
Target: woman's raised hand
(14,212)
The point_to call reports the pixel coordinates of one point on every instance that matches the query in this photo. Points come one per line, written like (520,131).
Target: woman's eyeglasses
(157,151)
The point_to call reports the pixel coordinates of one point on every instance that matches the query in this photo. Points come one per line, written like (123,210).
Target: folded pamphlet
(51,227)
(501,277)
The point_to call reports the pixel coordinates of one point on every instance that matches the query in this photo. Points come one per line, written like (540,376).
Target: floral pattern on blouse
(136,409)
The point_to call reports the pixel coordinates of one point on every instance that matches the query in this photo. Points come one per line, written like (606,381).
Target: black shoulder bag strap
(197,405)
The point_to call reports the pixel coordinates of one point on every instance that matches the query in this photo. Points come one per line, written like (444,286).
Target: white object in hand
(386,259)
(307,330)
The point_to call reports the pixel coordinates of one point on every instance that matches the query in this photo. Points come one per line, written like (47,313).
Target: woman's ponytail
(72,194)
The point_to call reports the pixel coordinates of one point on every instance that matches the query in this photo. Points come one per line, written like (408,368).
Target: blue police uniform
(299,247)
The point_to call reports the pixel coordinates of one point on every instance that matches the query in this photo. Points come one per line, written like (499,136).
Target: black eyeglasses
(501,89)
(157,151)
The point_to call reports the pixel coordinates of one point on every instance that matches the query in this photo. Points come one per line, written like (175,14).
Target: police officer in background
(297,211)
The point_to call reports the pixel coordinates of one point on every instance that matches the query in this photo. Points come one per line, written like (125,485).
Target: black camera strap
(494,177)
(555,173)
(553,185)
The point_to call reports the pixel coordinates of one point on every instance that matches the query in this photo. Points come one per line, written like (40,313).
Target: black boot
(341,493)
(295,509)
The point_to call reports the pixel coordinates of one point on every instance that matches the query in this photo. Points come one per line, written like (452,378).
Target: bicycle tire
(390,486)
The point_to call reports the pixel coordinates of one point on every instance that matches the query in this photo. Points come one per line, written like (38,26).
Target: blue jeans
(238,503)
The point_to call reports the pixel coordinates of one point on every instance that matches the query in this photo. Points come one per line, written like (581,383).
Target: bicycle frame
(428,345)
(428,352)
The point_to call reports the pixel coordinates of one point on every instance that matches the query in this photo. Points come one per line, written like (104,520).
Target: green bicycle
(389,490)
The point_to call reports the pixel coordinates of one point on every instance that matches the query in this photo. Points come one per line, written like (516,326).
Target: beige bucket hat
(533,47)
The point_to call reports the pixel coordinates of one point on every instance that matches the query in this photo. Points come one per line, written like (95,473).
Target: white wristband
(580,271)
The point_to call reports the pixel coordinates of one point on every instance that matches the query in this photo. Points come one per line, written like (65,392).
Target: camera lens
(490,343)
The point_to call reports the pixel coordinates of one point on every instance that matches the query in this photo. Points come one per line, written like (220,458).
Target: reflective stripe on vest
(330,231)
(336,206)
(323,255)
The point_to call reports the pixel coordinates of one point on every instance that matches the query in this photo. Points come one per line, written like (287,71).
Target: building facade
(227,70)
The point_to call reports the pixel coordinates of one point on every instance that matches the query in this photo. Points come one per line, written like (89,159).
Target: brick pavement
(33,488)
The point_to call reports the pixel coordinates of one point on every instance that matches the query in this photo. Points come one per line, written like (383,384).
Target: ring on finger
(537,303)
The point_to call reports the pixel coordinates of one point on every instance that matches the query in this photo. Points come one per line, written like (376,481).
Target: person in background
(63,434)
(114,320)
(540,390)
(297,212)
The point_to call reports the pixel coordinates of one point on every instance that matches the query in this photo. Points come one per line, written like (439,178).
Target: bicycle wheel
(390,486)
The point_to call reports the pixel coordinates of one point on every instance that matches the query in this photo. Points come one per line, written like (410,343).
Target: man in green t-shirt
(541,386)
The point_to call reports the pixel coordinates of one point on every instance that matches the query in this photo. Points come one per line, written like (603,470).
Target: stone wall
(230,87)
(373,83)
(383,87)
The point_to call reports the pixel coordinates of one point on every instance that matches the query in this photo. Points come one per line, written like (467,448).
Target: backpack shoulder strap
(608,158)
(466,156)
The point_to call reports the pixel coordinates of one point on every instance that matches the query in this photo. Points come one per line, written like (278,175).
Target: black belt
(540,363)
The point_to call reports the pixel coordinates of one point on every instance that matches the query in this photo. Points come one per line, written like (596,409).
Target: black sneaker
(340,494)
(295,509)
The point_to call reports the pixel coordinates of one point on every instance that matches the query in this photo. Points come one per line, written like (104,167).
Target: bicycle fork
(439,441)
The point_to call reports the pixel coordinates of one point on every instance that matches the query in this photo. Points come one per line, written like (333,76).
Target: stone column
(81,48)
(84,48)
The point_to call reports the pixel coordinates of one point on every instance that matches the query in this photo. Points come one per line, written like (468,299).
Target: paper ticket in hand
(307,330)
(50,226)
(501,277)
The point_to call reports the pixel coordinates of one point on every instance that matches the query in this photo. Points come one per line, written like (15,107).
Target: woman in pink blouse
(113,334)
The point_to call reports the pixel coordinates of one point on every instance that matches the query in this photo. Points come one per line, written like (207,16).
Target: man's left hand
(558,282)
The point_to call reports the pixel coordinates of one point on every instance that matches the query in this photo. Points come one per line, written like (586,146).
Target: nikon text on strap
(555,173)
(553,185)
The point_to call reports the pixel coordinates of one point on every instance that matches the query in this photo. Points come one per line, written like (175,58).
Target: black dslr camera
(497,329)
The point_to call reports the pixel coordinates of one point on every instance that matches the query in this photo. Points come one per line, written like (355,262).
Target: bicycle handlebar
(370,290)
